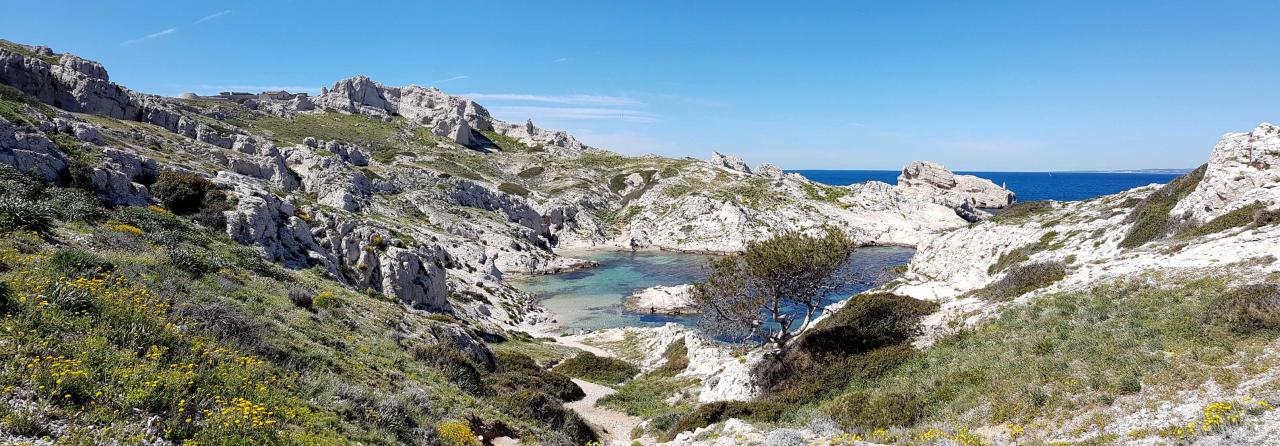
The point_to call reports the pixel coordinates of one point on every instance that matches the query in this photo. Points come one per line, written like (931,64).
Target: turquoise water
(591,299)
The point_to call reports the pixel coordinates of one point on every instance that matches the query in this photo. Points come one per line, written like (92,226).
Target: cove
(591,299)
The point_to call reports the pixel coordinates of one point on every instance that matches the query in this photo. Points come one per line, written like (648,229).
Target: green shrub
(646,397)
(857,410)
(18,213)
(73,262)
(531,172)
(1248,309)
(455,366)
(711,413)
(1024,279)
(549,411)
(516,371)
(800,379)
(867,321)
(190,259)
(675,359)
(301,297)
(1021,212)
(1150,217)
(597,369)
(514,189)
(182,193)
(1244,216)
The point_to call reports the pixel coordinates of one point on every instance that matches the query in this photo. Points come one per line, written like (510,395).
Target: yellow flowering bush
(456,433)
(124,227)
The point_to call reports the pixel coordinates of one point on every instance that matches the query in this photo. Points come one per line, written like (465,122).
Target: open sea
(1030,186)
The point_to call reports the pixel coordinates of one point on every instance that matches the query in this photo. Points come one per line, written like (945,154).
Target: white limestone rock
(453,117)
(931,181)
(676,299)
(1244,168)
(730,162)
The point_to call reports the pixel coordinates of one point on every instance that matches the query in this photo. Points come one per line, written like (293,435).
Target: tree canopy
(762,292)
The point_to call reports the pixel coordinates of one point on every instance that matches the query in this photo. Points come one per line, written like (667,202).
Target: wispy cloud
(212,16)
(571,99)
(520,112)
(172,30)
(562,59)
(455,78)
(214,88)
(150,36)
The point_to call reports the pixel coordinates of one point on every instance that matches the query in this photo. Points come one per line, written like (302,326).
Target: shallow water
(591,299)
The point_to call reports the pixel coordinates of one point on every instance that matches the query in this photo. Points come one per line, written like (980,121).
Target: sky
(974,85)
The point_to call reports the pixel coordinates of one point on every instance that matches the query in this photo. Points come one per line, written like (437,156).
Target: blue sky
(1029,85)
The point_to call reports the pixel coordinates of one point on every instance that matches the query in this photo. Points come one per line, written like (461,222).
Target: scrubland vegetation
(130,324)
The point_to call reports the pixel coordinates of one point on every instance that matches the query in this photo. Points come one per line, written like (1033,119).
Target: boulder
(769,171)
(676,299)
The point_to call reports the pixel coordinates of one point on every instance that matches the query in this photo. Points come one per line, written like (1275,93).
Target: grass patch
(825,193)
(384,139)
(1023,279)
(1062,353)
(1254,214)
(1020,213)
(1150,217)
(509,144)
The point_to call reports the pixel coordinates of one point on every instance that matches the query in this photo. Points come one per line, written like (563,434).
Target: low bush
(711,413)
(73,262)
(1150,217)
(456,433)
(192,260)
(516,371)
(879,411)
(548,411)
(301,297)
(18,213)
(1021,212)
(1024,279)
(531,172)
(182,193)
(514,189)
(1254,214)
(867,321)
(1248,309)
(597,369)
(799,379)
(455,366)
(675,359)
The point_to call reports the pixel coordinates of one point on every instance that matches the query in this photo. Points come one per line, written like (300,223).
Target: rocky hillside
(330,270)
(1146,317)
(420,195)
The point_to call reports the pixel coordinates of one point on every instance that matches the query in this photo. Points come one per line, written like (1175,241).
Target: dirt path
(613,425)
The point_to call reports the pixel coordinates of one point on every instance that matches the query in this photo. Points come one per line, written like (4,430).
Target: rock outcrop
(1243,169)
(676,299)
(452,117)
(931,181)
(729,162)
